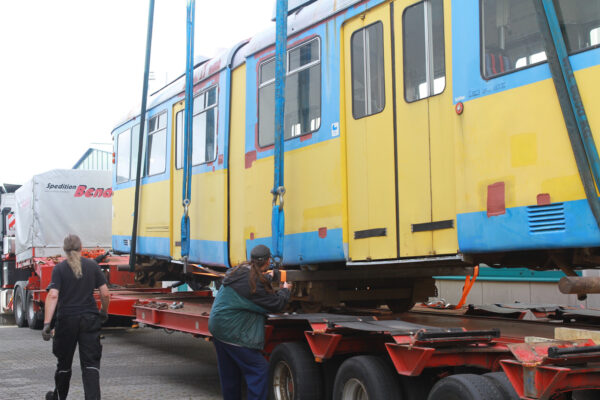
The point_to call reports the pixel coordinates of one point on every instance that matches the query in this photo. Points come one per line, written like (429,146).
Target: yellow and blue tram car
(422,137)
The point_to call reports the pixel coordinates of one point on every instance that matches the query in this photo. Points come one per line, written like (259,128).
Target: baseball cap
(260,253)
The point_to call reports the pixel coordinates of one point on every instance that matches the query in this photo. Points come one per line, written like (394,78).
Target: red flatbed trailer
(421,346)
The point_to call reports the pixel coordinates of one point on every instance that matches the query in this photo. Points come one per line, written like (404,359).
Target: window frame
(288,73)
(148,149)
(352,69)
(429,49)
(128,130)
(182,112)
(194,114)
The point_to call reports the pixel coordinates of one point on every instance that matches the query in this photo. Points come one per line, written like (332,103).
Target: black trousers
(69,331)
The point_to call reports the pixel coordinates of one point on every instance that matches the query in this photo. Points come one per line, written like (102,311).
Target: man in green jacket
(237,323)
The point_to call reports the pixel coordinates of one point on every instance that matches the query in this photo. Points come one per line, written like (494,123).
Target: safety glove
(103,316)
(46,332)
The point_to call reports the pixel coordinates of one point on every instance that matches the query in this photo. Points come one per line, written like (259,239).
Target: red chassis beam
(541,370)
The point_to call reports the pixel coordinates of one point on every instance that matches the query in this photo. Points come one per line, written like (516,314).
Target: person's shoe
(50,395)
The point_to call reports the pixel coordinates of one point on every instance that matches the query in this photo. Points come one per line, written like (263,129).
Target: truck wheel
(416,387)
(364,378)
(19,307)
(35,319)
(293,373)
(501,381)
(465,387)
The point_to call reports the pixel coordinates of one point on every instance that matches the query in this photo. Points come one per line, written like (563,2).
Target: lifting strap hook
(278,195)
(186,205)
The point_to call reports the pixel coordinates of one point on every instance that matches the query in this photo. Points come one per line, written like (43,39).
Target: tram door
(369,124)
(176,178)
(396,131)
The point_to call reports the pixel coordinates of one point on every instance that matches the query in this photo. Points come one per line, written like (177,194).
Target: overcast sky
(70,70)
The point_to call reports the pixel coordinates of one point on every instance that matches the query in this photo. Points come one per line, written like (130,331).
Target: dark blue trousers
(235,362)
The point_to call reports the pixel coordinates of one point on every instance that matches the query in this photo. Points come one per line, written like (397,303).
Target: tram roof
(235,56)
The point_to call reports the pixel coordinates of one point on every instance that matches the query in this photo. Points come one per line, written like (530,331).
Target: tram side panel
(313,201)
(522,190)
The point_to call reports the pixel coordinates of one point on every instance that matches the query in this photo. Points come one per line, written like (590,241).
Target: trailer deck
(421,340)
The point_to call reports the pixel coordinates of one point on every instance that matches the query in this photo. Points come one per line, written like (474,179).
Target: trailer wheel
(293,373)
(465,387)
(35,319)
(501,381)
(585,394)
(416,387)
(366,378)
(19,307)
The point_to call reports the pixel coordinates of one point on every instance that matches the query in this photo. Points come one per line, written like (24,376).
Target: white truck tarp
(58,202)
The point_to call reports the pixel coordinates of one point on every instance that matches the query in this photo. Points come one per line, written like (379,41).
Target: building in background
(95,159)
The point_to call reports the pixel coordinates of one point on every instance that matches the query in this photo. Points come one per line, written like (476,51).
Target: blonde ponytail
(74,261)
(72,248)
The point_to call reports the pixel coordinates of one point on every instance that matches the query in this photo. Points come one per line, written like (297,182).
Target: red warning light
(459,108)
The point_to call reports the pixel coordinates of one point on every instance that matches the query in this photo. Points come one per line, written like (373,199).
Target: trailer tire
(293,373)
(465,387)
(501,381)
(329,370)
(366,375)
(19,307)
(416,387)
(35,319)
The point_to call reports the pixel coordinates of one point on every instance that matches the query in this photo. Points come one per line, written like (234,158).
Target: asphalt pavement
(141,363)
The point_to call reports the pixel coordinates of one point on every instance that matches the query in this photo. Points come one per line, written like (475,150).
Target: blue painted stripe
(307,247)
(149,246)
(202,251)
(209,252)
(519,230)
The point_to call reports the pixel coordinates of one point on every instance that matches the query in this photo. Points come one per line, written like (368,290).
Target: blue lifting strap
(278,217)
(187,133)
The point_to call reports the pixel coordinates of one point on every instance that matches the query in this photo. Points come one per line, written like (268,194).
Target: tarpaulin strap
(278,217)
(469,281)
(187,133)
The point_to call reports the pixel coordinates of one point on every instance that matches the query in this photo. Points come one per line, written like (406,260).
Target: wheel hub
(283,382)
(354,390)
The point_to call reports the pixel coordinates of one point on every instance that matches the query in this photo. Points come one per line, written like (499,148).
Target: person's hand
(46,332)
(103,316)
(286,285)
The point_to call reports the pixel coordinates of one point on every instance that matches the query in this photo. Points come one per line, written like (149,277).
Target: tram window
(157,144)
(578,19)
(302,94)
(595,37)
(135,143)
(368,86)
(204,127)
(123,155)
(179,138)
(424,50)
(511,39)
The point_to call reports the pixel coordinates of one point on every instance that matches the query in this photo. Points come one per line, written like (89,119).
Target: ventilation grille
(126,242)
(549,218)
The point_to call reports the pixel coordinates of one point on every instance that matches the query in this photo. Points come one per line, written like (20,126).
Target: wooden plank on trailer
(573,334)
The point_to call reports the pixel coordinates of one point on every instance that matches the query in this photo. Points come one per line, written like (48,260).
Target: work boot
(50,395)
